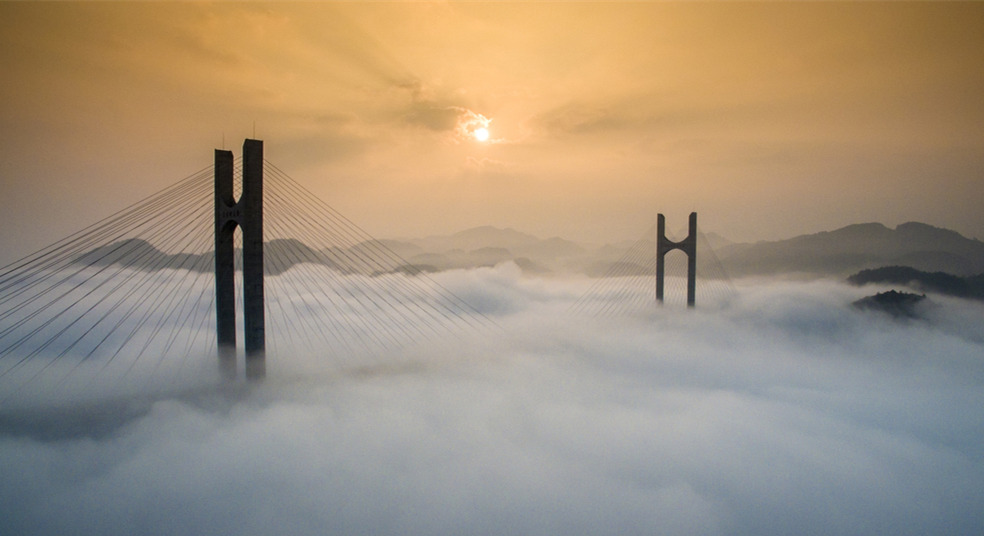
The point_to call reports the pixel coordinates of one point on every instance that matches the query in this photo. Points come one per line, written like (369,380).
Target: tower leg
(225,269)
(252,222)
(691,250)
(660,254)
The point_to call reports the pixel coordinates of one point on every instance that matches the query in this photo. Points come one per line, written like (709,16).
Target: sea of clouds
(780,409)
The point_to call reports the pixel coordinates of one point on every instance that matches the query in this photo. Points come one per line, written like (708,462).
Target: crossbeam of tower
(247,214)
(687,245)
(627,286)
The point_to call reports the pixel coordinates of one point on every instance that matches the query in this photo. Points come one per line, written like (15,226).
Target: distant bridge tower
(688,246)
(247,213)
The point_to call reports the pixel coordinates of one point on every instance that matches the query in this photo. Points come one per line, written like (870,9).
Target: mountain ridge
(857,247)
(837,252)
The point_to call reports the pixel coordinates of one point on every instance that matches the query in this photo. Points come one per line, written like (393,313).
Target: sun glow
(472,126)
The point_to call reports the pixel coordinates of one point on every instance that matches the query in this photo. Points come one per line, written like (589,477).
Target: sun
(472,126)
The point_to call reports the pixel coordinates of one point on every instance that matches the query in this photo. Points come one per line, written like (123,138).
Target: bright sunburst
(481,134)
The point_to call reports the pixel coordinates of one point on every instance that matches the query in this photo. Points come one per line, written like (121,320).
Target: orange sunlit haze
(582,119)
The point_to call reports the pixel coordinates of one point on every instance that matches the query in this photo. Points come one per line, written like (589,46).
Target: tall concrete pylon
(688,246)
(247,213)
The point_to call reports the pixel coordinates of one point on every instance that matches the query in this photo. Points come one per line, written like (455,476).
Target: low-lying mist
(780,409)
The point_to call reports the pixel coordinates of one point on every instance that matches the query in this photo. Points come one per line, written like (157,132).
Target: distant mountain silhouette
(476,238)
(285,253)
(940,282)
(467,249)
(552,247)
(859,247)
(841,252)
(489,246)
(400,247)
(141,255)
(624,268)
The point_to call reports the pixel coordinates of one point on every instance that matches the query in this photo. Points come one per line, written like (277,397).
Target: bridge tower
(247,214)
(688,246)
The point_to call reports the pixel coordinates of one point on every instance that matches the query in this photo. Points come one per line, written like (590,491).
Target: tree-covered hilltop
(893,302)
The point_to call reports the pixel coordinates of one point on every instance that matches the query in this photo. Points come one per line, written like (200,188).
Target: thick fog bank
(780,411)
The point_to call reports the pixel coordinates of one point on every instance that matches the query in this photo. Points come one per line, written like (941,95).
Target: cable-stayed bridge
(136,299)
(131,299)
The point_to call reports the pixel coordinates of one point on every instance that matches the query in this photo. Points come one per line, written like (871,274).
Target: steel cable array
(372,299)
(130,299)
(104,295)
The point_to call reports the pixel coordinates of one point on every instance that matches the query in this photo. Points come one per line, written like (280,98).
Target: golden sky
(769,119)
